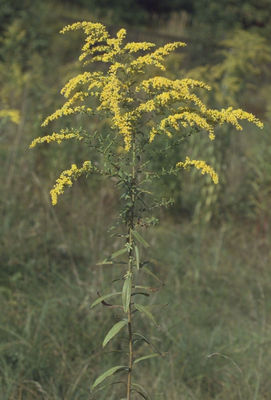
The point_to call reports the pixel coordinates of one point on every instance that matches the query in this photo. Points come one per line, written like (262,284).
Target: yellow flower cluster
(121,96)
(232,116)
(66,179)
(96,34)
(155,58)
(162,83)
(134,47)
(201,165)
(64,111)
(13,115)
(94,79)
(56,137)
(187,118)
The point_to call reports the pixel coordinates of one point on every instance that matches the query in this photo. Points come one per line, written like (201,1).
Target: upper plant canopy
(125,90)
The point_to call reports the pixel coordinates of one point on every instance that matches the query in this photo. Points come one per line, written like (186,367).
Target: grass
(213,313)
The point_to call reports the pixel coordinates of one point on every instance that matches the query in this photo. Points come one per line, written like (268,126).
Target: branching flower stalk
(139,113)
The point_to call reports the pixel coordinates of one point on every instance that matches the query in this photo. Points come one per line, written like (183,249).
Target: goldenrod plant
(125,86)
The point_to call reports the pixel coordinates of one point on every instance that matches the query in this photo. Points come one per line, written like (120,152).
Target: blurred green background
(212,248)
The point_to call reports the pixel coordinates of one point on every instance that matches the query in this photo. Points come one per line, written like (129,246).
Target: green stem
(130,333)
(130,271)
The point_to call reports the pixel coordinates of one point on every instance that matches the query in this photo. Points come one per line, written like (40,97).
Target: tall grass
(214,335)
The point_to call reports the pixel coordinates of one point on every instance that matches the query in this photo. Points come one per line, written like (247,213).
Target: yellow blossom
(66,178)
(127,101)
(94,79)
(65,111)
(201,165)
(155,58)
(133,47)
(55,137)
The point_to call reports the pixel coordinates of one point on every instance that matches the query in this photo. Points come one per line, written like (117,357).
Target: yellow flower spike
(65,111)
(94,79)
(155,58)
(201,165)
(56,137)
(134,47)
(66,179)
(232,116)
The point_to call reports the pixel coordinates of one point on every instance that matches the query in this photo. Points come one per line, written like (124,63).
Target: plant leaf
(114,331)
(137,257)
(102,298)
(140,239)
(146,357)
(145,311)
(142,337)
(147,271)
(140,390)
(106,374)
(126,293)
(108,260)
(147,288)
(118,253)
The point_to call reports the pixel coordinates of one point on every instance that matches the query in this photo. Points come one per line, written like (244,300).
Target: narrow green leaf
(146,357)
(126,292)
(140,239)
(147,271)
(108,260)
(140,390)
(146,340)
(114,331)
(141,337)
(137,257)
(102,298)
(140,394)
(118,253)
(106,374)
(145,311)
(147,288)
(140,293)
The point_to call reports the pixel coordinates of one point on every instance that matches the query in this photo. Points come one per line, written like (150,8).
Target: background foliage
(213,246)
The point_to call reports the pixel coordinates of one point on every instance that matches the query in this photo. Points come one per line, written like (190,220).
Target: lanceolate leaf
(148,288)
(126,292)
(119,253)
(114,331)
(145,311)
(106,374)
(146,340)
(140,390)
(142,337)
(147,271)
(108,260)
(140,239)
(146,357)
(137,257)
(102,298)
